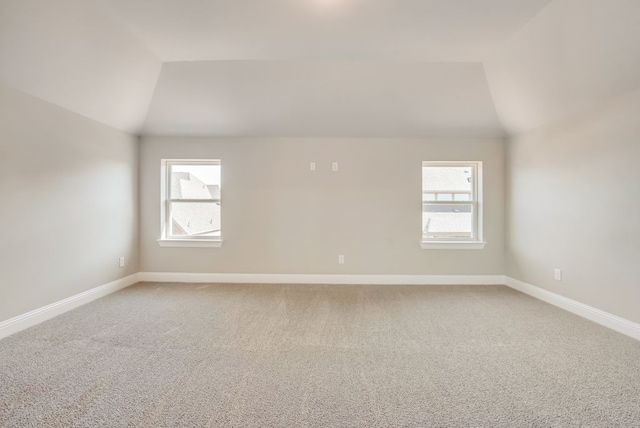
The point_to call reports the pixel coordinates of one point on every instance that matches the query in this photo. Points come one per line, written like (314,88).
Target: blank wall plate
(121,261)
(557,274)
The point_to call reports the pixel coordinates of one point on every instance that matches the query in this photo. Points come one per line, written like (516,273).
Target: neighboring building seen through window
(192,208)
(450,204)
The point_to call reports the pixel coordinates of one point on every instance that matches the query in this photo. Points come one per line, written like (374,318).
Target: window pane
(195,219)
(447,179)
(445,196)
(426,197)
(447,221)
(462,197)
(195,182)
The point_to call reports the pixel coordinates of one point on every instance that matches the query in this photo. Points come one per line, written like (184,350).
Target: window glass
(193,199)
(449,201)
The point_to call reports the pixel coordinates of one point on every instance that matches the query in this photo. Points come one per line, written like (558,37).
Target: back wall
(278,217)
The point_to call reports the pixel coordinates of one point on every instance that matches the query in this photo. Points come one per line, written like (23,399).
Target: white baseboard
(601,317)
(251,278)
(21,322)
(29,319)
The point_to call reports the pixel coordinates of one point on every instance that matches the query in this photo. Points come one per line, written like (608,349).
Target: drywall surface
(76,55)
(573,56)
(68,197)
(279,217)
(324,30)
(322,100)
(573,202)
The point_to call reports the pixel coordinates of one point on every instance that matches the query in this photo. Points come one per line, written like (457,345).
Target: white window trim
(190,242)
(477,242)
(452,245)
(195,241)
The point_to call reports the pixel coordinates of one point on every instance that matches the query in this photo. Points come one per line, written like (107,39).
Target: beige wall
(573,203)
(278,217)
(68,197)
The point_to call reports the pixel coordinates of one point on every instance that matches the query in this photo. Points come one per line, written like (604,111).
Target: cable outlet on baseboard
(557,274)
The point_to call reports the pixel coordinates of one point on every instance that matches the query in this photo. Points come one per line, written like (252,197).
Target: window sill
(190,242)
(452,245)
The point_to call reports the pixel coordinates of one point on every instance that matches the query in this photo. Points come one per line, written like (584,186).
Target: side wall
(68,197)
(573,202)
(278,217)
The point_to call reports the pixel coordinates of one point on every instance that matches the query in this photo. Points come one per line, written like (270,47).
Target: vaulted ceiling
(322,99)
(74,54)
(575,55)
(329,68)
(313,30)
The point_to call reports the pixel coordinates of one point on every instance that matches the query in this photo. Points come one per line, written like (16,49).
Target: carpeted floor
(196,355)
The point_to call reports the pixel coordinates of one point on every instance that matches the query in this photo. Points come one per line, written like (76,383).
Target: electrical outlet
(341,259)
(334,166)
(121,261)
(557,274)
(312,166)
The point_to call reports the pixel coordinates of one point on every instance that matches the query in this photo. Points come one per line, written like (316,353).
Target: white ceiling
(314,68)
(73,54)
(574,56)
(322,99)
(377,30)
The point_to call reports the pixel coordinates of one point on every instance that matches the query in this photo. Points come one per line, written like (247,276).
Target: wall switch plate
(334,166)
(312,166)
(121,261)
(557,274)
(341,259)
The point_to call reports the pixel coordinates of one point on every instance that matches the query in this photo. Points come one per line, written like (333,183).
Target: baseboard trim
(250,278)
(599,316)
(29,319)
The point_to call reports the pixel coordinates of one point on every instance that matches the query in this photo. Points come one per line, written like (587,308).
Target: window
(191,203)
(451,205)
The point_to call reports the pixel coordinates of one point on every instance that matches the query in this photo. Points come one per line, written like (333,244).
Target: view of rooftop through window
(194,199)
(447,201)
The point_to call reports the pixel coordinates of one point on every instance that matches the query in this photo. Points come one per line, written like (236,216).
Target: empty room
(320,213)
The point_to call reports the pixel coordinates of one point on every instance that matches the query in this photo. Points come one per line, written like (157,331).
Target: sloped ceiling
(74,54)
(322,99)
(573,56)
(309,68)
(318,68)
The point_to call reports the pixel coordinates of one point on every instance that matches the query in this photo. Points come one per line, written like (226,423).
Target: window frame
(168,240)
(448,242)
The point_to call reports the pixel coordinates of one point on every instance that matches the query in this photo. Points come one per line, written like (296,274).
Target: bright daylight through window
(451,204)
(191,206)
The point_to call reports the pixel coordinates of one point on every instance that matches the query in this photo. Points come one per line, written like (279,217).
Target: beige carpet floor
(196,355)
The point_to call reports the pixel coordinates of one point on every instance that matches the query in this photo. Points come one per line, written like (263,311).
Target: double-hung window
(191,203)
(452,205)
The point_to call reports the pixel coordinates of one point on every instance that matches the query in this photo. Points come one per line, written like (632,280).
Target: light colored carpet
(192,355)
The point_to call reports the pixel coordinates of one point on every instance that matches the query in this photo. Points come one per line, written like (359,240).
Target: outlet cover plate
(557,274)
